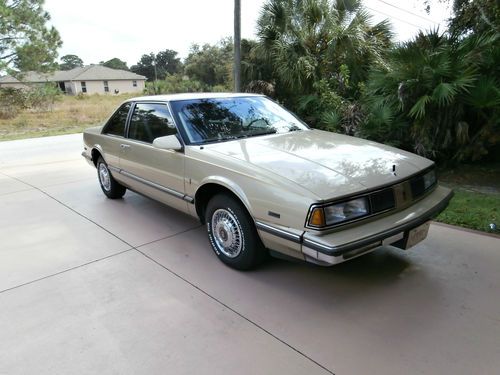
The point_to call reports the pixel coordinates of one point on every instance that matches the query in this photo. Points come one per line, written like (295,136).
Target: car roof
(190,96)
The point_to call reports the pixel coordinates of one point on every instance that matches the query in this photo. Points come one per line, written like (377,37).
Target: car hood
(327,164)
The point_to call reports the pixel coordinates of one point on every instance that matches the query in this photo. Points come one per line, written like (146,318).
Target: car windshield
(222,119)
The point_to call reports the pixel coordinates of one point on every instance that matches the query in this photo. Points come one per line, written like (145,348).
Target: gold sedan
(262,181)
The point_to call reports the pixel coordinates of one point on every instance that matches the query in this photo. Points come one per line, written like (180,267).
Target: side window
(150,121)
(84,86)
(116,124)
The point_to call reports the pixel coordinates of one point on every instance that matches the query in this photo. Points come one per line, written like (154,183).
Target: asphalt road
(90,285)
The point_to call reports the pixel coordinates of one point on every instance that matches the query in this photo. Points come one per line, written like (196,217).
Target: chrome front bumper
(337,247)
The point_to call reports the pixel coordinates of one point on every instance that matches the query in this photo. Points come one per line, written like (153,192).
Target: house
(91,79)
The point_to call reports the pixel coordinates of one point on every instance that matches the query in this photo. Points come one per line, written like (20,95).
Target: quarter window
(116,124)
(84,86)
(106,86)
(150,121)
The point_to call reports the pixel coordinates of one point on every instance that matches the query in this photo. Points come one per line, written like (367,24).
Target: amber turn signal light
(317,218)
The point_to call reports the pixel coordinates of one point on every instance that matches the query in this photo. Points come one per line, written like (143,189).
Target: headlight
(339,212)
(429,179)
(422,183)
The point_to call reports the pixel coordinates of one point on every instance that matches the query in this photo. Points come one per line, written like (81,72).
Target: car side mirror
(168,142)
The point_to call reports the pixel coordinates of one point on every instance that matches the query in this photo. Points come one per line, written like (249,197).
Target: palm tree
(439,96)
(308,40)
(319,45)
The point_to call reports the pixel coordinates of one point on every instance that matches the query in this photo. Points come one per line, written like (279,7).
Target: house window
(134,83)
(106,87)
(84,86)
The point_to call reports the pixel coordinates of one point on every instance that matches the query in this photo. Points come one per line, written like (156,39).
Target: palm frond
(444,93)
(418,109)
(485,94)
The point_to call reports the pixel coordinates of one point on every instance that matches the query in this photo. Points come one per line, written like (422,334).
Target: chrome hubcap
(104,177)
(227,233)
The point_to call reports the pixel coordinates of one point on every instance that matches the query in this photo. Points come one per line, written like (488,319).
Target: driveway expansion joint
(66,270)
(161,265)
(223,304)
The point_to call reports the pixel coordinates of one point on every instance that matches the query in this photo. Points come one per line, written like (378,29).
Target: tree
(115,63)
(477,16)
(70,62)
(26,42)
(438,96)
(165,62)
(321,52)
(210,64)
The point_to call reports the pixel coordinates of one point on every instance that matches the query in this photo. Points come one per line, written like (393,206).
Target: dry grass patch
(69,115)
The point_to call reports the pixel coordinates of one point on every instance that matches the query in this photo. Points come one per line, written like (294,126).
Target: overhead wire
(407,11)
(391,16)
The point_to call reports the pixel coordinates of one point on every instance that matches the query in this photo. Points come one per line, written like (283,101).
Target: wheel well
(95,155)
(205,193)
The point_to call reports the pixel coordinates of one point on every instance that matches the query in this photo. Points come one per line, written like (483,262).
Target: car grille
(382,200)
(394,197)
(399,195)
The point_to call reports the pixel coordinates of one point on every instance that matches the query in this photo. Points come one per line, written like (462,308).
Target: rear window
(116,124)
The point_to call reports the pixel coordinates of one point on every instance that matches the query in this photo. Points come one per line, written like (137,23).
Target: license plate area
(405,240)
(417,234)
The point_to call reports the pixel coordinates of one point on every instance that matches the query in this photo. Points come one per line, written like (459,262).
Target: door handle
(124,146)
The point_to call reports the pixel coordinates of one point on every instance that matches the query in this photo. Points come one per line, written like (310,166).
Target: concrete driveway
(91,285)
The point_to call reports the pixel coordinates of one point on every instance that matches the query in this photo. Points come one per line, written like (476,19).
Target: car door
(114,132)
(154,172)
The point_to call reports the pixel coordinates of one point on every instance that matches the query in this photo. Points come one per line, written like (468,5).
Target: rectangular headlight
(346,211)
(429,179)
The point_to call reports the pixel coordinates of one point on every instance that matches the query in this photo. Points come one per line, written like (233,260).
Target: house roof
(84,73)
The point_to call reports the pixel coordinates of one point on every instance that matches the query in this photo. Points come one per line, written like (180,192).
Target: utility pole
(237,46)
(153,57)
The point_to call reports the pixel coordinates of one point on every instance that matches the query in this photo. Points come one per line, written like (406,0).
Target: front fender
(230,185)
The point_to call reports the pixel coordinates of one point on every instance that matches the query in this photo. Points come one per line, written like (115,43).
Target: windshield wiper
(233,137)
(273,131)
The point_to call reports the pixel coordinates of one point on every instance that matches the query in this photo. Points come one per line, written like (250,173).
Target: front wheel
(109,185)
(232,233)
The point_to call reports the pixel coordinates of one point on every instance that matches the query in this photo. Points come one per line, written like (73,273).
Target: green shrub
(42,97)
(175,83)
(12,101)
(439,96)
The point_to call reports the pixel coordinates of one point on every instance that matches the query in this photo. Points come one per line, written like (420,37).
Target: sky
(98,30)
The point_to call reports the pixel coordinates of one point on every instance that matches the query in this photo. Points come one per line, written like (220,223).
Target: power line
(407,11)
(396,18)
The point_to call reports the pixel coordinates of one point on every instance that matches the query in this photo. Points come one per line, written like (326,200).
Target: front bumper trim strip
(278,232)
(366,241)
(341,249)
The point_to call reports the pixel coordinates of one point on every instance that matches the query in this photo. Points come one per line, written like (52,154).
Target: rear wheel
(232,233)
(109,185)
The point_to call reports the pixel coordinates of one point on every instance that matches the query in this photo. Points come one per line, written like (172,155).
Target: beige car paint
(282,173)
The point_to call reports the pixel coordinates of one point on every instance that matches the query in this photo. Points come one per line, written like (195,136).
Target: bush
(438,96)
(42,97)
(172,84)
(12,101)
(37,98)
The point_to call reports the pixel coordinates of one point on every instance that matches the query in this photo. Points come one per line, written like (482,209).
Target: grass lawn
(476,203)
(474,210)
(69,115)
